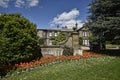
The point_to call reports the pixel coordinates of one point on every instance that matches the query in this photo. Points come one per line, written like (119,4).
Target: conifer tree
(104,20)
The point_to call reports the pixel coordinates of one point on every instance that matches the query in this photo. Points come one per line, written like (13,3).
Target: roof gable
(83,28)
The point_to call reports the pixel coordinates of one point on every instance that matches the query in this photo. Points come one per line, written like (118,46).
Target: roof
(57,29)
(82,28)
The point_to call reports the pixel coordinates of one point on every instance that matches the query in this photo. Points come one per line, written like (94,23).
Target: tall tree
(104,20)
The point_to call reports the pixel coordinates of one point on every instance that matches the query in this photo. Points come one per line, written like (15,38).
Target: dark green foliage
(80,41)
(104,20)
(52,38)
(41,41)
(68,51)
(18,39)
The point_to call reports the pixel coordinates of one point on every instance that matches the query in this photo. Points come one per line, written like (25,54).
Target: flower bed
(47,61)
(50,59)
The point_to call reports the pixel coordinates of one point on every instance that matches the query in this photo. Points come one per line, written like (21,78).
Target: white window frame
(86,42)
(85,33)
(56,34)
(50,33)
(50,42)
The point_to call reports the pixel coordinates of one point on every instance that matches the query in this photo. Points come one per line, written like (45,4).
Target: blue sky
(49,13)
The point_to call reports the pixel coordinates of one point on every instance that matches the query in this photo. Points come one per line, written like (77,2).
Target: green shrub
(18,40)
(80,41)
(41,41)
(68,51)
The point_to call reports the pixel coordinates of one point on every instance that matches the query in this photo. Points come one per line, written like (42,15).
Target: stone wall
(69,42)
(54,51)
(77,52)
(75,40)
(72,41)
(40,33)
(57,51)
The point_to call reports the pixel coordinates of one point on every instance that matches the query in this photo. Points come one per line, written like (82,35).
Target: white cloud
(19,3)
(67,19)
(26,3)
(4,3)
(33,3)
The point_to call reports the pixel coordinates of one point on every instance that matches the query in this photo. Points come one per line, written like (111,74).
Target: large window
(86,42)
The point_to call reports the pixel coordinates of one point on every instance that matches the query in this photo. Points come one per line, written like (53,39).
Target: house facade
(85,34)
(72,40)
(46,34)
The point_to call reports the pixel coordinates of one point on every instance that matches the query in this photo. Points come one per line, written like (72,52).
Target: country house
(72,39)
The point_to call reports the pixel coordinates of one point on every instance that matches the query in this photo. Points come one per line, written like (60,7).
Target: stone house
(71,41)
(46,34)
(85,34)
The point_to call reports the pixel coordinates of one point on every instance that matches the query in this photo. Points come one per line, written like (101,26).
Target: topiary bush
(68,51)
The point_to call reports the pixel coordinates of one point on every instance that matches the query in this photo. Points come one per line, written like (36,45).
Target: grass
(102,68)
(111,46)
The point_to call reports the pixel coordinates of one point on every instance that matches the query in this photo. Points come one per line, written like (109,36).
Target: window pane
(84,33)
(50,42)
(55,33)
(50,34)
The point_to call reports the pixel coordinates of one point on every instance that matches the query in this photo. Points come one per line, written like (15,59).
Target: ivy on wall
(60,38)
(41,41)
(80,41)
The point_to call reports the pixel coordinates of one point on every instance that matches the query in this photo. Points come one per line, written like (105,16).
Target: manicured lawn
(102,68)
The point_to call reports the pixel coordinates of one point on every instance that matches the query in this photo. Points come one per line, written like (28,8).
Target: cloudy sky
(49,13)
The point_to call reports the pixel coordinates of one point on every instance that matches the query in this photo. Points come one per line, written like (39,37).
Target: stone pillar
(75,43)
(75,40)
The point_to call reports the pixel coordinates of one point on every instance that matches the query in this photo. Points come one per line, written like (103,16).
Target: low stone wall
(55,51)
(78,52)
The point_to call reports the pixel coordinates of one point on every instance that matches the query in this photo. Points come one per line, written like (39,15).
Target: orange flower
(49,59)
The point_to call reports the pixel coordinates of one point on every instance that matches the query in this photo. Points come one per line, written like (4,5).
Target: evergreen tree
(104,20)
